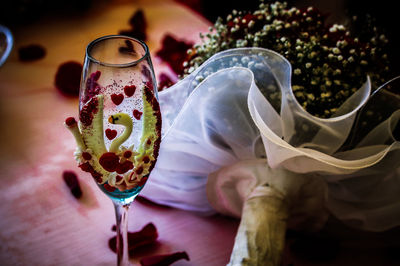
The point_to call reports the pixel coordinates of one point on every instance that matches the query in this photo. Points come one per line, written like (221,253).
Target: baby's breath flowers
(330,62)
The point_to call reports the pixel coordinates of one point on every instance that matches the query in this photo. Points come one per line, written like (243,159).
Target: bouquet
(329,62)
(262,127)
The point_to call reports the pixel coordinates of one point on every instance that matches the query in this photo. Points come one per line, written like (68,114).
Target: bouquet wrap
(234,125)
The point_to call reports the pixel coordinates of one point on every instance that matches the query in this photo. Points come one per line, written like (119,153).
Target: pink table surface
(41,223)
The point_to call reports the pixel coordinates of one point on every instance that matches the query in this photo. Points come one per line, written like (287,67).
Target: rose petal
(134,33)
(128,48)
(68,78)
(164,260)
(71,180)
(138,20)
(31,52)
(164,81)
(138,25)
(174,52)
(147,235)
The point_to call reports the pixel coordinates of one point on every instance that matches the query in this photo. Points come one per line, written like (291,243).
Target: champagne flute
(119,130)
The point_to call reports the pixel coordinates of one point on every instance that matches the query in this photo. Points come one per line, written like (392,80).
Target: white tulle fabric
(220,133)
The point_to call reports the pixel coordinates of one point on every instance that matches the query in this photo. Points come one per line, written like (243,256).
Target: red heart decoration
(137,114)
(117,98)
(111,133)
(129,90)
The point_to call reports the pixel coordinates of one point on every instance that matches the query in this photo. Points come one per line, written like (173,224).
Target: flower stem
(260,238)
(121,214)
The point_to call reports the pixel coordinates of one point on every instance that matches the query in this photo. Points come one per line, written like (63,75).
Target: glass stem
(121,213)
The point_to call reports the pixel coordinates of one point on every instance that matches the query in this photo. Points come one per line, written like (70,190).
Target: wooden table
(41,222)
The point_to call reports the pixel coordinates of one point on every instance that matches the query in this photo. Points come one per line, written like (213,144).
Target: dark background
(17,13)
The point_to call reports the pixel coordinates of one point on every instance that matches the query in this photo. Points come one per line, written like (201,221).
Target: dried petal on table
(128,48)
(174,52)
(164,260)
(147,235)
(31,52)
(137,34)
(71,180)
(138,20)
(138,25)
(68,78)
(164,82)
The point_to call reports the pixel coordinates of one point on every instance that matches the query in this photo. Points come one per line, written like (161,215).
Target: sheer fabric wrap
(234,124)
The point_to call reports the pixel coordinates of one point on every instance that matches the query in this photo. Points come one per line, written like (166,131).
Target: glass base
(122,197)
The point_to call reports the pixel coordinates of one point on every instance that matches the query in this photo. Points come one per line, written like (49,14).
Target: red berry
(70,121)
(127,154)
(146,159)
(139,171)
